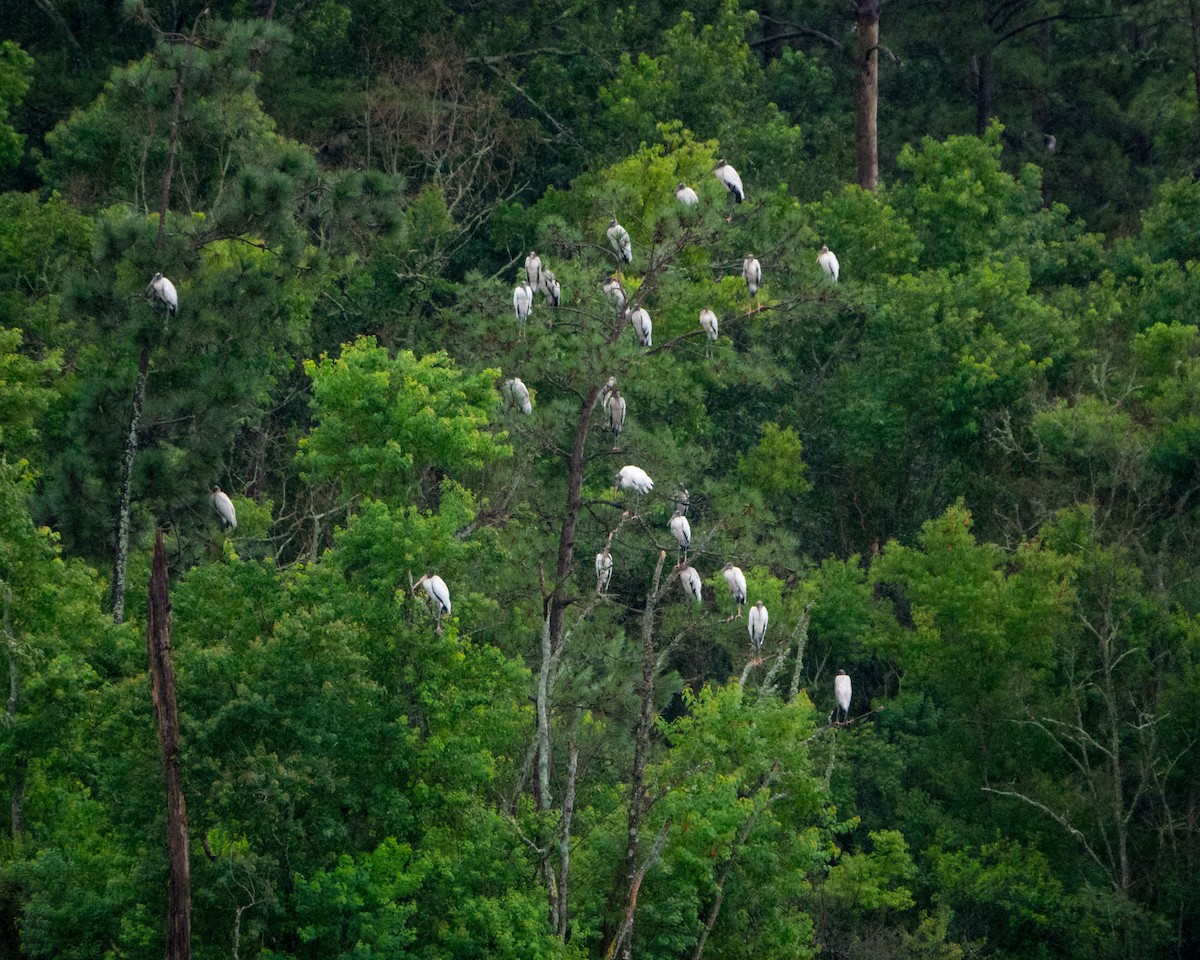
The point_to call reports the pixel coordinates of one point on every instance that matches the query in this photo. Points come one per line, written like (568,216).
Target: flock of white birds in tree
(538,278)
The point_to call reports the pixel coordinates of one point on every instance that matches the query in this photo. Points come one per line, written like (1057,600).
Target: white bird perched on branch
(737,585)
(686,195)
(841,692)
(618,236)
(708,321)
(438,592)
(224,507)
(729,177)
(682,499)
(643,327)
(689,579)
(614,412)
(551,288)
(523,303)
(636,479)
(757,621)
(752,273)
(604,566)
(517,394)
(614,291)
(829,263)
(533,270)
(682,531)
(164,289)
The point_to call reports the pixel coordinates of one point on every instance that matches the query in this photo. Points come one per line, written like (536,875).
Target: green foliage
(15,68)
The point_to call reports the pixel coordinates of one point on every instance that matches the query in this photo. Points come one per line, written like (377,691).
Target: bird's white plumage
(438,592)
(224,507)
(841,691)
(829,263)
(533,270)
(686,195)
(682,531)
(604,566)
(551,288)
(634,478)
(614,412)
(517,394)
(523,302)
(737,583)
(164,289)
(708,320)
(729,177)
(690,580)
(752,273)
(618,236)
(614,290)
(757,622)
(643,327)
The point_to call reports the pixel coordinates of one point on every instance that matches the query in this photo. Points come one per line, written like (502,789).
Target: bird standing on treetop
(618,236)
(551,288)
(517,394)
(757,621)
(686,195)
(613,289)
(733,183)
(533,270)
(690,580)
(604,566)
(752,273)
(614,412)
(438,592)
(708,321)
(523,303)
(841,691)
(224,507)
(643,327)
(164,289)
(737,585)
(829,263)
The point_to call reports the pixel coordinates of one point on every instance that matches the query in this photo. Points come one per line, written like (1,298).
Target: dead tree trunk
(166,712)
(982,67)
(866,137)
(1194,21)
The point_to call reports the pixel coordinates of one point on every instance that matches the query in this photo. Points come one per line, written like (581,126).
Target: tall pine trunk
(866,137)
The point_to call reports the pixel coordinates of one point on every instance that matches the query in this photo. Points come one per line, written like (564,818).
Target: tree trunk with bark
(866,134)
(166,712)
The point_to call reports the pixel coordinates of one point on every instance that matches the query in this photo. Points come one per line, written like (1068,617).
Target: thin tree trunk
(543,767)
(125,508)
(17,798)
(983,91)
(564,840)
(866,133)
(1194,19)
(166,712)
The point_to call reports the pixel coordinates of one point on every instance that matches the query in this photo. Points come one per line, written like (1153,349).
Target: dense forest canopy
(655,609)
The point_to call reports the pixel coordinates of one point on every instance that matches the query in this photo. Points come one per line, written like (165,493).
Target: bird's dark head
(824,249)
(612,222)
(681,186)
(719,164)
(216,489)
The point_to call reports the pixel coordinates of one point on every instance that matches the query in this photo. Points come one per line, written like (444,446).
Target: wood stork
(757,621)
(690,581)
(752,273)
(164,289)
(841,692)
(708,322)
(533,270)
(1050,141)
(517,394)
(604,566)
(682,499)
(636,479)
(618,236)
(523,303)
(643,327)
(614,291)
(682,531)
(551,288)
(686,195)
(829,263)
(733,183)
(438,592)
(737,585)
(614,412)
(224,507)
